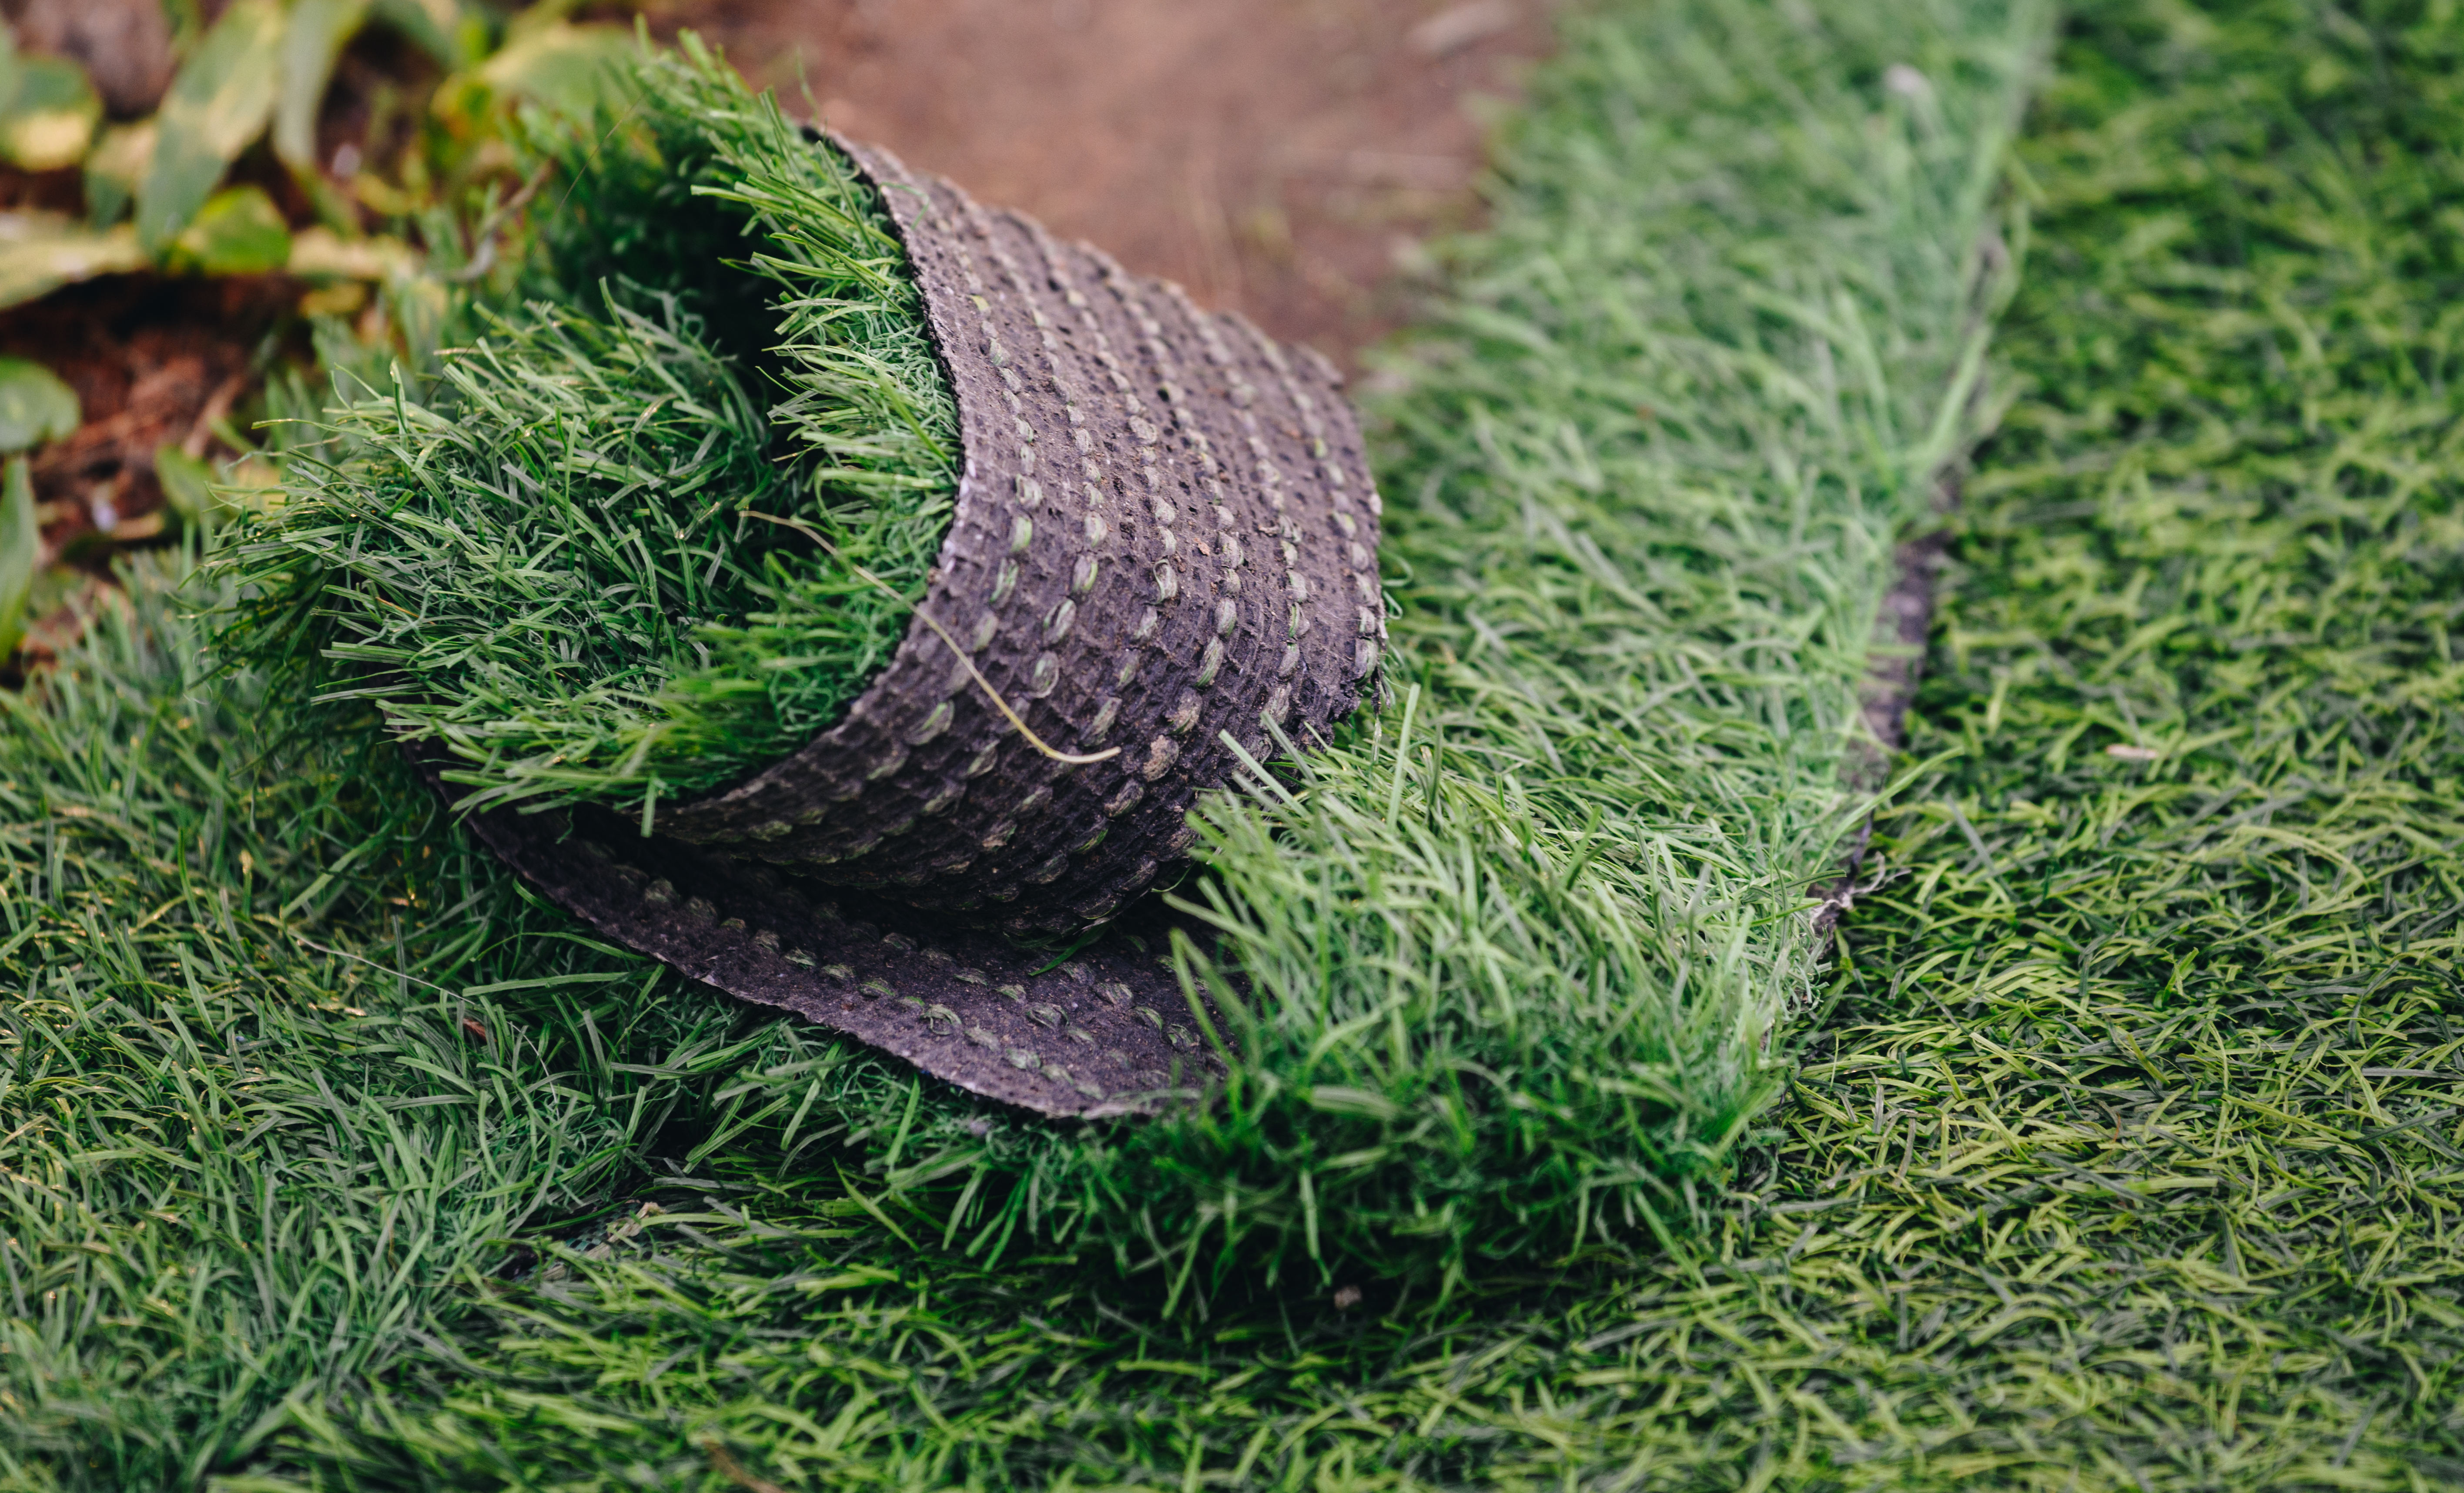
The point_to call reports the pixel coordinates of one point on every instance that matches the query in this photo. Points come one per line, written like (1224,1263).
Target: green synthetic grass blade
(2130,1157)
(1647,495)
(264,1112)
(1512,971)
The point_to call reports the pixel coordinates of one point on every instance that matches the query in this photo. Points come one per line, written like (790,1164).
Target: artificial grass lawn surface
(2125,1157)
(1512,952)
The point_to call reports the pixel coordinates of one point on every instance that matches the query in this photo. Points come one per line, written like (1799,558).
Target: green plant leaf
(114,167)
(34,406)
(569,69)
(21,553)
(220,101)
(319,254)
(41,252)
(237,232)
(436,27)
(187,486)
(316,36)
(51,115)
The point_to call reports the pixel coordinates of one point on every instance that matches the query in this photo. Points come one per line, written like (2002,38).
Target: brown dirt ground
(1287,158)
(1282,156)
(154,361)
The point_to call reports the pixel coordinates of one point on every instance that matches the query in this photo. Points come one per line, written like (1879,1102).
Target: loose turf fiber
(2126,1155)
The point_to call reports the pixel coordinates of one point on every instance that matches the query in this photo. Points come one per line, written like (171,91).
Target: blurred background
(200,196)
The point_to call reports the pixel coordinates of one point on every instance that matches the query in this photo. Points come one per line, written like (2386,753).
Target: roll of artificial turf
(609,581)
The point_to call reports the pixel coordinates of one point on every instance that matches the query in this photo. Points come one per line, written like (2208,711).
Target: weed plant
(544,560)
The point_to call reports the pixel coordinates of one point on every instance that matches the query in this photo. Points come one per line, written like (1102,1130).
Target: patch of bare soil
(1285,157)
(155,361)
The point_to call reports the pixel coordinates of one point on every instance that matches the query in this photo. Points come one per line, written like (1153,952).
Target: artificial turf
(2124,1157)
(1510,952)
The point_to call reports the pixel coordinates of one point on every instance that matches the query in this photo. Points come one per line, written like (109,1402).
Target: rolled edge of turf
(1165,534)
(1105,1031)
(1163,546)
